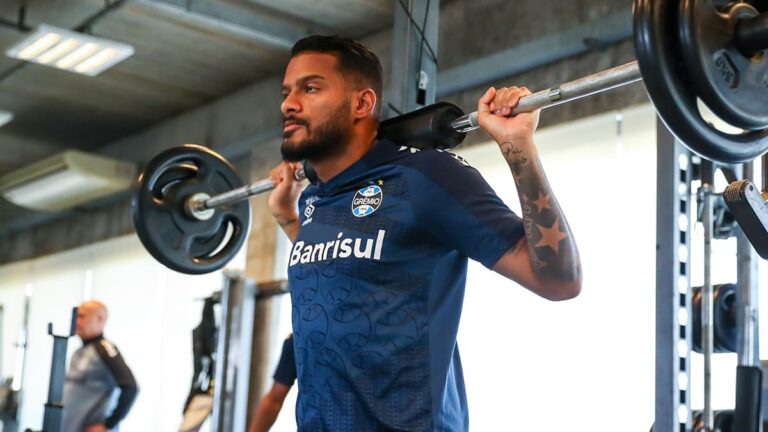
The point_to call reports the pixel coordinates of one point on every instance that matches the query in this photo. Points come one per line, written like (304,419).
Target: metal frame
(673,284)
(233,354)
(747,320)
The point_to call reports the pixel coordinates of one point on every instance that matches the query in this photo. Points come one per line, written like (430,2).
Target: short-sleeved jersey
(377,275)
(285,372)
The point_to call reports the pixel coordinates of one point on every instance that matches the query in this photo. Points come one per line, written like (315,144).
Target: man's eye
(284,95)
(310,89)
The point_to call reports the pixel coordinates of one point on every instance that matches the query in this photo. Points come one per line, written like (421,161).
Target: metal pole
(747,415)
(233,354)
(673,285)
(567,92)
(707,306)
(413,67)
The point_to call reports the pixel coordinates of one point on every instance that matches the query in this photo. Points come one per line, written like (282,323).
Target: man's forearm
(551,245)
(289,224)
(127,397)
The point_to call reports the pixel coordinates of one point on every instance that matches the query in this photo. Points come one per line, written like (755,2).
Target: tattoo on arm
(551,245)
(284,222)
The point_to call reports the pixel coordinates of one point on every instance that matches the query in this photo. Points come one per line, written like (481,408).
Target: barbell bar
(589,85)
(200,206)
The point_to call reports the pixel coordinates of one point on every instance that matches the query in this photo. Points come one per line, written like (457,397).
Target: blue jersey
(377,275)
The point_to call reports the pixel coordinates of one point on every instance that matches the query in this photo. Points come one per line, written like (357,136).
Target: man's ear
(364,104)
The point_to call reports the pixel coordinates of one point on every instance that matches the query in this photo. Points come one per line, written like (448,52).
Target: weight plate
(724,319)
(173,237)
(674,97)
(732,85)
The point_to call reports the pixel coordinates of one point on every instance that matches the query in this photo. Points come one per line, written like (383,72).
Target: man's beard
(327,140)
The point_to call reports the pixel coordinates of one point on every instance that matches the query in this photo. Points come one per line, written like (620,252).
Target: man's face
(90,321)
(316,108)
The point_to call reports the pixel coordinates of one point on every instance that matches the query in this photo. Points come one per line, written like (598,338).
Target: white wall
(152,312)
(585,364)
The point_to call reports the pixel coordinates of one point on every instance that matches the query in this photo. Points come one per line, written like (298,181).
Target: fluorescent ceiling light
(66,180)
(70,51)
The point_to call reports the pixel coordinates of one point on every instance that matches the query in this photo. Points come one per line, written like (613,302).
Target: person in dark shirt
(96,371)
(381,242)
(272,402)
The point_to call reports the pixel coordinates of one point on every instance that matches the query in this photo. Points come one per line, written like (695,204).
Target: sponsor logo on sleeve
(109,348)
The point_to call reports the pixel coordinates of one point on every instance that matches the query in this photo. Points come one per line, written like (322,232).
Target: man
(271,403)
(379,260)
(96,370)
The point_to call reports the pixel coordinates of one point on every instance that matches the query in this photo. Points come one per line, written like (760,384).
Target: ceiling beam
(593,35)
(255,29)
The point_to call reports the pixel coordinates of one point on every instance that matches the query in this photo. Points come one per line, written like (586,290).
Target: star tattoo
(551,236)
(542,202)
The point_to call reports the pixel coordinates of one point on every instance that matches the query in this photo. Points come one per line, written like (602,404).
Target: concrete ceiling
(187,54)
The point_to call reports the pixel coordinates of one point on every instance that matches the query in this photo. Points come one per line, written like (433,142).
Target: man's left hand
(98,427)
(495,115)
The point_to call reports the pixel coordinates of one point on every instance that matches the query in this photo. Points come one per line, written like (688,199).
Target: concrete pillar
(260,267)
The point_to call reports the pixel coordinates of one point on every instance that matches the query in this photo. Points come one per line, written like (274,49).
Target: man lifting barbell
(380,245)
(379,259)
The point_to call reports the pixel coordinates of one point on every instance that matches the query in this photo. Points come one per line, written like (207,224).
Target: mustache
(295,120)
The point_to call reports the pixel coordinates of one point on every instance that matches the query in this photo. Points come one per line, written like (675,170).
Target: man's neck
(92,338)
(359,144)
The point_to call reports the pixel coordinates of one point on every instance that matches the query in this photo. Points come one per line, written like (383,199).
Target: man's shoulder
(430,160)
(107,349)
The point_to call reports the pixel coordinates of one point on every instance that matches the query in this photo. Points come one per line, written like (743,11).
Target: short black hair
(362,65)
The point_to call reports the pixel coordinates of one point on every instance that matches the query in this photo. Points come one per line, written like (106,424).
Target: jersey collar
(381,152)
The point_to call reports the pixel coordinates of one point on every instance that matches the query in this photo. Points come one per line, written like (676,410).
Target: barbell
(189,205)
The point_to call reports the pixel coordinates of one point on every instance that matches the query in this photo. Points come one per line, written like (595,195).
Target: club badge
(366,201)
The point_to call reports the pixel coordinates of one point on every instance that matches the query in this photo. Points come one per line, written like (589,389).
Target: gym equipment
(194,226)
(54,406)
(747,204)
(183,239)
(749,389)
(723,421)
(724,314)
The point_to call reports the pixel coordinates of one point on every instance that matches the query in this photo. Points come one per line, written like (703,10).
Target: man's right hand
(283,199)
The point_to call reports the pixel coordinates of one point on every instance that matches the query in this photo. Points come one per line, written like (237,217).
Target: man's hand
(283,199)
(493,115)
(98,427)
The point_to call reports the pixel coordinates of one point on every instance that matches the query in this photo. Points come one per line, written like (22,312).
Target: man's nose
(290,104)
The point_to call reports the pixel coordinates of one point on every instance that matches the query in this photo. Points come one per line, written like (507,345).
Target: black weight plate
(674,97)
(732,85)
(724,319)
(174,238)
(166,183)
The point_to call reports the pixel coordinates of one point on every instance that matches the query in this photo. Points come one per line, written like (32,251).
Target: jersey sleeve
(285,373)
(456,205)
(124,379)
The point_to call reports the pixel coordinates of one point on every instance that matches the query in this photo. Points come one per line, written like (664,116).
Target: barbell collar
(567,92)
(752,35)
(198,206)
